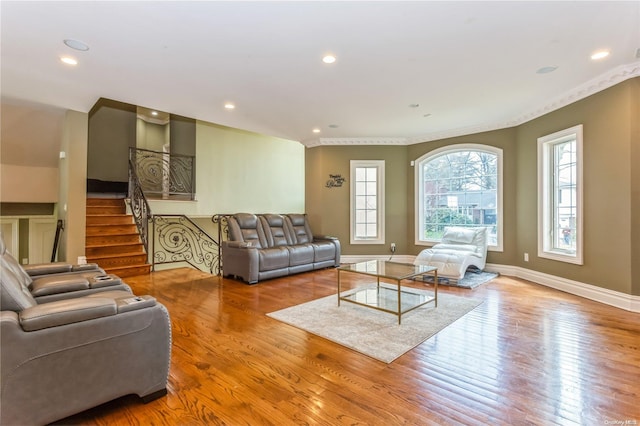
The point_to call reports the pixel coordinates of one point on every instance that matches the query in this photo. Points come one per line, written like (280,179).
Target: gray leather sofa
(63,357)
(272,245)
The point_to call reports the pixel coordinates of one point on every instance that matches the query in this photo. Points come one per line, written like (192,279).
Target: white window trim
(545,215)
(419,195)
(379,164)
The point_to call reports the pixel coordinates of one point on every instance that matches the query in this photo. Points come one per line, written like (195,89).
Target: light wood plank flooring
(528,355)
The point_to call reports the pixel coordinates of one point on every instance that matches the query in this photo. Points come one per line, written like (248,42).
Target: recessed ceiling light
(546,70)
(68,60)
(316,130)
(427,115)
(414,105)
(329,59)
(154,113)
(333,126)
(600,55)
(229,105)
(76,44)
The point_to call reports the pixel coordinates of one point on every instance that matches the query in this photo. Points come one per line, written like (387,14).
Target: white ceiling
(471,66)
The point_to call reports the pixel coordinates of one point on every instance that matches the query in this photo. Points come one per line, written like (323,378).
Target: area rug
(372,332)
(471,279)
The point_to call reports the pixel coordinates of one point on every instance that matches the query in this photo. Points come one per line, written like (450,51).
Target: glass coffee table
(388,297)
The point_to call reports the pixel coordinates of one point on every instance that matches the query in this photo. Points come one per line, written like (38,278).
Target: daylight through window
(559,204)
(459,185)
(367,202)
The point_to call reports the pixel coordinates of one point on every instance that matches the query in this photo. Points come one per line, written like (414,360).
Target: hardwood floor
(528,355)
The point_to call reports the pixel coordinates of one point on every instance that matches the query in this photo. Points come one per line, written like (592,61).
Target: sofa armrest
(324,237)
(133,303)
(58,284)
(86,267)
(63,312)
(239,244)
(104,280)
(47,268)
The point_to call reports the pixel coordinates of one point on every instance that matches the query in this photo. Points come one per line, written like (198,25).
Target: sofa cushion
(300,230)
(246,227)
(276,232)
(324,251)
(301,254)
(273,258)
(13,295)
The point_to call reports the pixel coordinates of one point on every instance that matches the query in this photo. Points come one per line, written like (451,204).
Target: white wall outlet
(393,247)
(526,257)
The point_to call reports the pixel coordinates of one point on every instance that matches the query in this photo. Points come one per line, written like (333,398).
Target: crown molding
(591,87)
(354,141)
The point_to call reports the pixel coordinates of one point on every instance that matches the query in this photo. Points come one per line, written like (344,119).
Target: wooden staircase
(112,239)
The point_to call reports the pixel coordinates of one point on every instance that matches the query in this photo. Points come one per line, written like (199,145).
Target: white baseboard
(403,258)
(599,294)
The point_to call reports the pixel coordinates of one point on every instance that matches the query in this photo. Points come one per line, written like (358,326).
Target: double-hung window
(367,202)
(560,196)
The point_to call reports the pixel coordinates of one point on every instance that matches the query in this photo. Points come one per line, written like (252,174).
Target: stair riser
(94,230)
(106,210)
(114,262)
(105,202)
(112,239)
(108,227)
(119,249)
(130,272)
(109,220)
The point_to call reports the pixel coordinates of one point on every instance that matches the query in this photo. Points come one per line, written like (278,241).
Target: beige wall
(634,86)
(151,136)
(29,152)
(606,119)
(611,189)
(112,130)
(73,186)
(328,208)
(26,184)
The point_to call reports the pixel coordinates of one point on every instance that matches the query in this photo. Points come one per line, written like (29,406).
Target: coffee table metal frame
(393,271)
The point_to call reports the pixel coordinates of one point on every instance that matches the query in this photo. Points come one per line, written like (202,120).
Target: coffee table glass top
(392,298)
(388,269)
(385,298)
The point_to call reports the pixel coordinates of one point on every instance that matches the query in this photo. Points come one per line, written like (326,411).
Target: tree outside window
(459,185)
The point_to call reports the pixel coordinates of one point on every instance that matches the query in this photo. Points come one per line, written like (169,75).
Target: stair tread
(131,266)
(116,255)
(110,224)
(121,244)
(119,233)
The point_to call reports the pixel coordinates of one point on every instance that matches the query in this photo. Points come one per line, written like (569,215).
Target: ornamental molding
(355,141)
(591,87)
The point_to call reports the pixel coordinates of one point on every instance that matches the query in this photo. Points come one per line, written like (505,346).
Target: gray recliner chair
(48,282)
(66,356)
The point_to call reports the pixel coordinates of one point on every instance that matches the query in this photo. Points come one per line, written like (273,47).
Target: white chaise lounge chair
(459,249)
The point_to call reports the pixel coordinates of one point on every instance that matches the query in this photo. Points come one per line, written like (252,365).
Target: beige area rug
(372,332)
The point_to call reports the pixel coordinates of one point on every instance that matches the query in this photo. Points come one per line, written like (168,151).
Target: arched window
(459,185)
